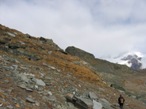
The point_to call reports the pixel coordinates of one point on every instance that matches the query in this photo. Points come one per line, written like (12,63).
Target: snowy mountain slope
(135,60)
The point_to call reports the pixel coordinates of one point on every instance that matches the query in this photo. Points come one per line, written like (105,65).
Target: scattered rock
(23,77)
(69,97)
(79,101)
(39,82)
(93,96)
(28,36)
(10,107)
(1,104)
(105,104)
(11,34)
(84,103)
(23,86)
(30,100)
(49,52)
(97,105)
(52,98)
(17,105)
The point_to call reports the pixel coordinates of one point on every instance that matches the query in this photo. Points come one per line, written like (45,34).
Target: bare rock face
(80,53)
(88,102)
(134,60)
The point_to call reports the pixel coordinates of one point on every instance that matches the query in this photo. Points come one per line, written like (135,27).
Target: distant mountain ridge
(134,60)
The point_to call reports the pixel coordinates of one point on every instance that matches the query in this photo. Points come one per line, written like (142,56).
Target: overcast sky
(101,27)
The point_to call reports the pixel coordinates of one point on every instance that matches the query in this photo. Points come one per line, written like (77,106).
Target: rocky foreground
(36,74)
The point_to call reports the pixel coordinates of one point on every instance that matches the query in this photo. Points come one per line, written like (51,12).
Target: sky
(105,28)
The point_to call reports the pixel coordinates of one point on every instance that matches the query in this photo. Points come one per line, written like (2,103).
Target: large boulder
(80,102)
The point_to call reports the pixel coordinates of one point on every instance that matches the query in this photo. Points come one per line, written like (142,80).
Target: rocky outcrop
(88,102)
(79,53)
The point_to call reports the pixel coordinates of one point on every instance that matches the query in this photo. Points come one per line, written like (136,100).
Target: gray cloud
(99,26)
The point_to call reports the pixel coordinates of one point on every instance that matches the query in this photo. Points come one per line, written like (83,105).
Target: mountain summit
(134,60)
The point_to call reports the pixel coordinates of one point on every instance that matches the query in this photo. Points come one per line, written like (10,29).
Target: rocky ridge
(37,74)
(135,60)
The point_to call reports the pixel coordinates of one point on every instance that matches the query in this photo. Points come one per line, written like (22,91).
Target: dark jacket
(121,100)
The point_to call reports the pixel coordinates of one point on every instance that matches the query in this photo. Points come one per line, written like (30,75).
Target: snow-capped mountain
(135,60)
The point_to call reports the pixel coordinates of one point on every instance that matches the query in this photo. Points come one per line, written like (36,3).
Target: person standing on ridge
(121,101)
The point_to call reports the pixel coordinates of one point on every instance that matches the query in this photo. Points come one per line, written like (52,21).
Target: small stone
(1,104)
(30,100)
(24,87)
(10,107)
(17,105)
(69,96)
(49,52)
(39,82)
(6,81)
(50,93)
(37,104)
(92,96)
(28,89)
(36,87)
(11,34)
(52,98)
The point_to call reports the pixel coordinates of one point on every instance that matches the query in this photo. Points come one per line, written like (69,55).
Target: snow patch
(130,59)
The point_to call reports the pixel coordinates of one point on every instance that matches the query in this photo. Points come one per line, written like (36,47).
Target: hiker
(121,101)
